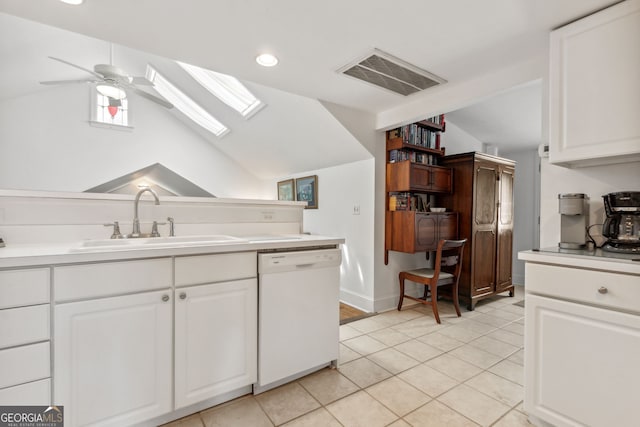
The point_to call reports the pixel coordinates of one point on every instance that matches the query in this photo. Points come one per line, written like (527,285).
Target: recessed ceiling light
(74,2)
(267,60)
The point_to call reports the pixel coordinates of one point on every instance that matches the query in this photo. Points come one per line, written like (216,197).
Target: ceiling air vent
(388,72)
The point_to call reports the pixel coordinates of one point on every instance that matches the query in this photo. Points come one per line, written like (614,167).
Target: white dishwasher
(298,314)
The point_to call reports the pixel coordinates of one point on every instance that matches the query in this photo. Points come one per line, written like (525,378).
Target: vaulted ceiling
(462,41)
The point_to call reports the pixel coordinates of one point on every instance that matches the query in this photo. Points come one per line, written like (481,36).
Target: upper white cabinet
(594,88)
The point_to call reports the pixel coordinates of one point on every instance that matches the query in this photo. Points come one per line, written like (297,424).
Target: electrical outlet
(356,209)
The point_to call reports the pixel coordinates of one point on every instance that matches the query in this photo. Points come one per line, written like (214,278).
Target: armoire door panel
(484,250)
(485,196)
(503,268)
(506,197)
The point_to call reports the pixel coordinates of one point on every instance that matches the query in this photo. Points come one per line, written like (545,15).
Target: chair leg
(455,300)
(433,289)
(401,278)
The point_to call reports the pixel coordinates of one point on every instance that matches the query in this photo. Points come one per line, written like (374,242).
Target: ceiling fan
(111,81)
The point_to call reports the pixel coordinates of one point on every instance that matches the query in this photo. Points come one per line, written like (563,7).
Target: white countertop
(66,253)
(595,260)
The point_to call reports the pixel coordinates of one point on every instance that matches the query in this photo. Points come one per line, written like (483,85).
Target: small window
(109,112)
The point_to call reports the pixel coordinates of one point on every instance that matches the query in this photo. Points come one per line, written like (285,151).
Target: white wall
(48,144)
(456,140)
(526,206)
(593,181)
(340,188)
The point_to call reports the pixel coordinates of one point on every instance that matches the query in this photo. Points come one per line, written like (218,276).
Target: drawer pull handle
(165,298)
(603,290)
(183,295)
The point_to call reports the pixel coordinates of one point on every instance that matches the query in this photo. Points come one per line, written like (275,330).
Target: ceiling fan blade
(64,82)
(77,66)
(150,97)
(140,81)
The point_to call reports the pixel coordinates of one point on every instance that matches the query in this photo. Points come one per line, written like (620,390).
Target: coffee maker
(622,225)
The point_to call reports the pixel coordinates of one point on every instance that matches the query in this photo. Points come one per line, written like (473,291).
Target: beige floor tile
(240,413)
(504,313)
(286,402)
(516,328)
(418,327)
(364,372)
(360,409)
(428,380)
(389,336)
(392,360)
(367,325)
(461,333)
(475,356)
(418,350)
(435,414)
(521,321)
(347,332)
(399,423)
(513,419)
(508,337)
(328,385)
(502,390)
(440,341)
(318,418)
(474,405)
(394,316)
(364,345)
(494,346)
(479,327)
(398,396)
(514,309)
(347,355)
(517,357)
(454,367)
(491,320)
(190,421)
(509,370)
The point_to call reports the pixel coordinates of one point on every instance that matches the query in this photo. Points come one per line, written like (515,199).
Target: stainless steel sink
(155,242)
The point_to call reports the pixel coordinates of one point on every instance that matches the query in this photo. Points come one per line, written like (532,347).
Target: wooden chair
(448,253)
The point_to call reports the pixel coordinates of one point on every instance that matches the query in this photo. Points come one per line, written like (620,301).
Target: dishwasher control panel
(288,261)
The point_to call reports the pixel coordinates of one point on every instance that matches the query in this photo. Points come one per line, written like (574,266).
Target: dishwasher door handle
(311,264)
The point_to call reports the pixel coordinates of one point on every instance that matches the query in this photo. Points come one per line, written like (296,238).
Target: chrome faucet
(136,221)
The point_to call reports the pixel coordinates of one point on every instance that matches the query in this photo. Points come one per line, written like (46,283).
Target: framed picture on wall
(285,190)
(307,191)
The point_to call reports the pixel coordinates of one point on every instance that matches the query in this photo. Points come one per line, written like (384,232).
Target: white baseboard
(358,301)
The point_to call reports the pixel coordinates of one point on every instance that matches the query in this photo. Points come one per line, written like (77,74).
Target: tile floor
(403,369)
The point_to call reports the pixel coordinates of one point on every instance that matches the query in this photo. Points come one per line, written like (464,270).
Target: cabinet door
(448,226)
(581,364)
(426,235)
(113,363)
(484,228)
(505,229)
(594,88)
(440,180)
(215,339)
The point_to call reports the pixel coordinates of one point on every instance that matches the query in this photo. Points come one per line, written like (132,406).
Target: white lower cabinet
(581,364)
(113,359)
(215,339)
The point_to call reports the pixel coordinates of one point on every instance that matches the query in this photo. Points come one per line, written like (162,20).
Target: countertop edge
(60,254)
(616,265)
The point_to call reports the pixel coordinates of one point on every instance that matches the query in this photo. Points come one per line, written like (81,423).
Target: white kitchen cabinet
(113,359)
(582,342)
(215,339)
(594,89)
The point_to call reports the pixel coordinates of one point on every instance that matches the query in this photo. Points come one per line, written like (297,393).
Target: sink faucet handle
(116,229)
(172,227)
(154,229)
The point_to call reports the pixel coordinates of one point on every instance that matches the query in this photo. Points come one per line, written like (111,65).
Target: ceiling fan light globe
(111,91)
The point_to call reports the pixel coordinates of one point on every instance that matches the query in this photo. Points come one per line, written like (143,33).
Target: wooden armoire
(483,197)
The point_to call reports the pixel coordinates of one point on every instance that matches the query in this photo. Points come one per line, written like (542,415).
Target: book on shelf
(415,135)
(412,156)
(407,202)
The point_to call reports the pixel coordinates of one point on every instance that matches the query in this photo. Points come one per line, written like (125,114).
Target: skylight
(227,89)
(185,104)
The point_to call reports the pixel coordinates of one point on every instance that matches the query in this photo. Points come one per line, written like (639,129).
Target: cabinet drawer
(622,290)
(110,278)
(24,325)
(199,269)
(24,287)
(33,393)
(407,176)
(23,364)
